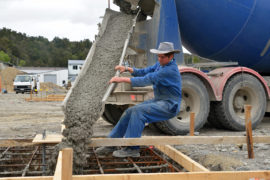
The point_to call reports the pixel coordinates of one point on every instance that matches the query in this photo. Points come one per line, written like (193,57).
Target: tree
(4,57)
(39,51)
(22,63)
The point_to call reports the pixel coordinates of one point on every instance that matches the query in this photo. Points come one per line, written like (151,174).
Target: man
(166,81)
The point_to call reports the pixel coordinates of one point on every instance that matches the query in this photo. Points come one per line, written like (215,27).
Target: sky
(73,19)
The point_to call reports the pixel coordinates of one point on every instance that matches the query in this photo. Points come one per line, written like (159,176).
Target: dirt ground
(23,120)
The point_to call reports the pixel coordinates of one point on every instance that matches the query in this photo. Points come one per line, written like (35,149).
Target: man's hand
(120,80)
(123,69)
(120,68)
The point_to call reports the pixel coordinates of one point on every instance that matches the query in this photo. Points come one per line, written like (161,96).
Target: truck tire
(212,118)
(241,90)
(195,99)
(112,113)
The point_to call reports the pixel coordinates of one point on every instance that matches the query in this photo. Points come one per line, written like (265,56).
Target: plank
(224,175)
(28,178)
(50,139)
(58,169)
(182,159)
(157,140)
(15,142)
(67,158)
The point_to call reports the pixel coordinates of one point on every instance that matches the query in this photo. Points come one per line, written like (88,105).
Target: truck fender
(219,77)
(205,79)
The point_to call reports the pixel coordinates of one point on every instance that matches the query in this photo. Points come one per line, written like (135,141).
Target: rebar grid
(150,161)
(22,161)
(29,161)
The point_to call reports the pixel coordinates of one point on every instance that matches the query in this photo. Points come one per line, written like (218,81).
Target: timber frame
(163,143)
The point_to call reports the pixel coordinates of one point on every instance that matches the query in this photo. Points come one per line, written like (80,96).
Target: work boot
(127,152)
(105,150)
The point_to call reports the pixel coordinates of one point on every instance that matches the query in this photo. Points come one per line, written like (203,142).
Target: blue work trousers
(132,122)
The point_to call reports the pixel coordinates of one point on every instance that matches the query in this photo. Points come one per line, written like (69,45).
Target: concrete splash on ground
(83,106)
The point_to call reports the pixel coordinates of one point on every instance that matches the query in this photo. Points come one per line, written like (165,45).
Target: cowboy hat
(164,48)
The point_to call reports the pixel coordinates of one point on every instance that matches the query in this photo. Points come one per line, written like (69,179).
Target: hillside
(23,50)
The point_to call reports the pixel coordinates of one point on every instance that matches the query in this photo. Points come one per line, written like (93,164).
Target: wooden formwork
(196,171)
(51,97)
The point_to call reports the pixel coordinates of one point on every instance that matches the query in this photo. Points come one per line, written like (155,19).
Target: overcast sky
(73,19)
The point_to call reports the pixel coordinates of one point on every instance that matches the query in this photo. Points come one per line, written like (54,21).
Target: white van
(24,83)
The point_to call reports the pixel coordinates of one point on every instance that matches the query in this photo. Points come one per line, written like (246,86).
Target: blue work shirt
(166,81)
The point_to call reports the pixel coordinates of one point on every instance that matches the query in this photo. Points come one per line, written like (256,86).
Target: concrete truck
(223,31)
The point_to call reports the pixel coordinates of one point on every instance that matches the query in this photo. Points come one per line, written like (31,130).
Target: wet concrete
(83,106)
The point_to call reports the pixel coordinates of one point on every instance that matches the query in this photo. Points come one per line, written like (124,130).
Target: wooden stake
(109,4)
(191,127)
(67,159)
(249,132)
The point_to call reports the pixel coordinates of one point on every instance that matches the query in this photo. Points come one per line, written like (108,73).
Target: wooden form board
(58,168)
(28,178)
(224,175)
(242,175)
(182,159)
(158,140)
(14,143)
(63,170)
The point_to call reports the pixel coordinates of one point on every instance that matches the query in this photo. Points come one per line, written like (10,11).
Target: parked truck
(26,83)
(224,31)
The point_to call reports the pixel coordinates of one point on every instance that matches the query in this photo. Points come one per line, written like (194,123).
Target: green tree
(22,63)
(39,51)
(4,57)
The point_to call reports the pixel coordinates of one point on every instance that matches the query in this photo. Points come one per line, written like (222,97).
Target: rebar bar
(135,165)
(28,165)
(44,153)
(99,165)
(2,155)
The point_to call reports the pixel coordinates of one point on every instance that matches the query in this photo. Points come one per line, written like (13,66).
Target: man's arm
(120,80)
(137,72)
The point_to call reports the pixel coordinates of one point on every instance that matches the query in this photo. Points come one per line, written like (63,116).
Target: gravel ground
(21,119)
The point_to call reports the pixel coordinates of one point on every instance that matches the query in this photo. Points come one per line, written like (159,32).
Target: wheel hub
(183,105)
(239,102)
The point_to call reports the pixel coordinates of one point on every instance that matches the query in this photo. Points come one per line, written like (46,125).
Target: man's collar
(171,61)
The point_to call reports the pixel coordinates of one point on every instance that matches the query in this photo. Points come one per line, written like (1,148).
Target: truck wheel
(212,118)
(194,99)
(241,90)
(112,113)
